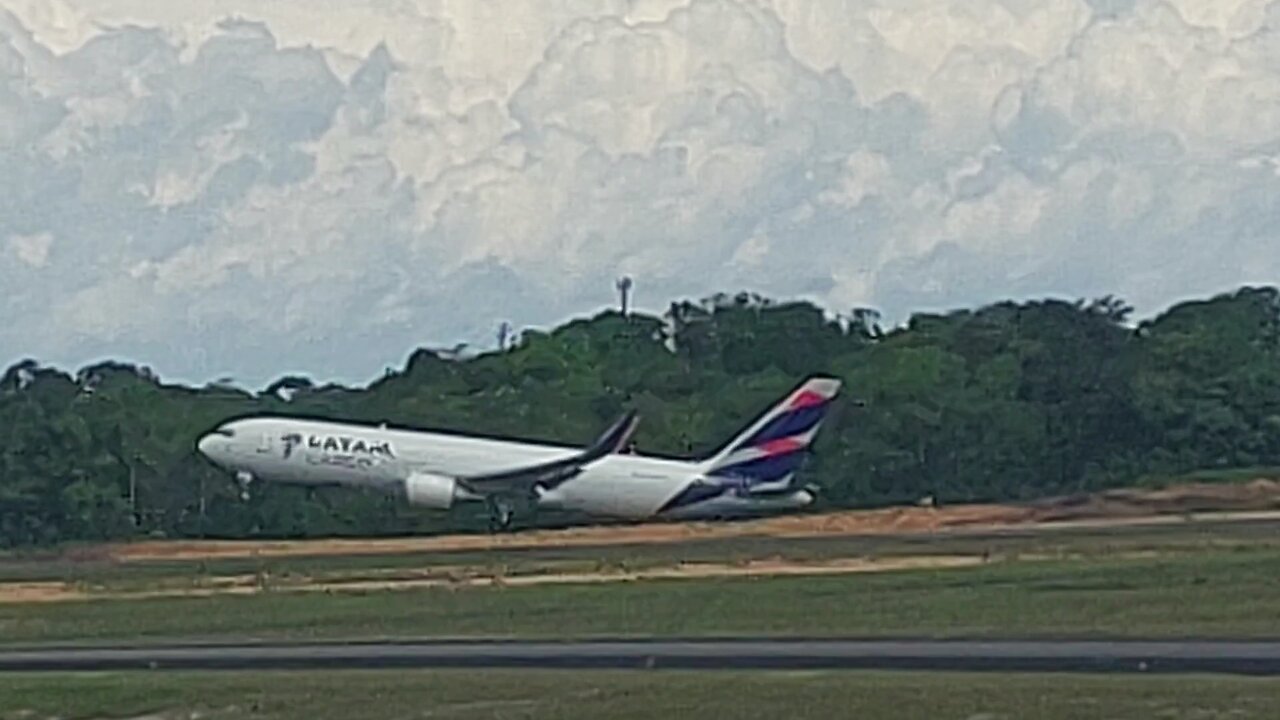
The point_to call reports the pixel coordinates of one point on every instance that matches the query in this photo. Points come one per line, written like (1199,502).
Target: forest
(1011,401)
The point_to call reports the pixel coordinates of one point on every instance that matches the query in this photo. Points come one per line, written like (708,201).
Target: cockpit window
(225,432)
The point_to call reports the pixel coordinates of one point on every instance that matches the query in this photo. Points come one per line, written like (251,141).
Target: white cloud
(32,249)
(215,186)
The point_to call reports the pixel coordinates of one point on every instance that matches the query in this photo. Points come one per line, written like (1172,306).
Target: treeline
(1010,401)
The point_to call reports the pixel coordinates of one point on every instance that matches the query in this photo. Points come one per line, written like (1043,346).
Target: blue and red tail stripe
(769,452)
(765,468)
(773,448)
(788,424)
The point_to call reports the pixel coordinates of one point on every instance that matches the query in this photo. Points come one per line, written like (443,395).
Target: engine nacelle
(434,491)
(549,499)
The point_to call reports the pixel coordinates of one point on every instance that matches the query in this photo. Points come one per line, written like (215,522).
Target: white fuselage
(328,453)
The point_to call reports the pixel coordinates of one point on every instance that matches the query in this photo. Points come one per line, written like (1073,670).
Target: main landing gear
(501,515)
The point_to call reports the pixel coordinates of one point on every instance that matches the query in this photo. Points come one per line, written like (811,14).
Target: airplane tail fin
(772,448)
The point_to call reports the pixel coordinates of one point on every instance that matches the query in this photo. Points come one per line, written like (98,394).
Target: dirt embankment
(1108,508)
(462,577)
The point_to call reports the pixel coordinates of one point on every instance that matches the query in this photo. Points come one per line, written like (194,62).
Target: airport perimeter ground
(1195,561)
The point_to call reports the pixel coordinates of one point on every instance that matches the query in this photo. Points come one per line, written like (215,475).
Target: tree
(1011,400)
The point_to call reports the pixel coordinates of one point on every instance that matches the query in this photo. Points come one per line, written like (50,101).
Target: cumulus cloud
(290,185)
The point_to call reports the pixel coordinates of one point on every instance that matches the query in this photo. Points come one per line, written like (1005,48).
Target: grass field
(613,695)
(1232,475)
(1205,590)
(1179,580)
(1186,505)
(1013,544)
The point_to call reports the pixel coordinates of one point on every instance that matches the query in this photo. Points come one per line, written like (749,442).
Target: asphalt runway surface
(1155,656)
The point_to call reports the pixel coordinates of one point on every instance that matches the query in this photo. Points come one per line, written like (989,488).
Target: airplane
(751,474)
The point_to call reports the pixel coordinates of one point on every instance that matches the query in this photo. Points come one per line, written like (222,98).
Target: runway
(1189,656)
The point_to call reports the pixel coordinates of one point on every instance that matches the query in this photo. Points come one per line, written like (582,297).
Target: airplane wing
(551,474)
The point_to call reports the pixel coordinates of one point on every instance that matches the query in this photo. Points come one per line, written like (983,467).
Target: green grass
(1217,475)
(1087,541)
(1212,591)
(619,695)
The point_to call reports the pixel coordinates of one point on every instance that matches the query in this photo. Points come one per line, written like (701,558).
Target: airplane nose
(205,446)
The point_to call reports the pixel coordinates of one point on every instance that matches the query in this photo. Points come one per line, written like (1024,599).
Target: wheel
(501,515)
(243,478)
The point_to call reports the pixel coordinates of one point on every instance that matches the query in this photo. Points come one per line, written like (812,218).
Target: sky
(250,188)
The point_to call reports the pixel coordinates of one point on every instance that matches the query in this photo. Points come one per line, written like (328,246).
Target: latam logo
(337,443)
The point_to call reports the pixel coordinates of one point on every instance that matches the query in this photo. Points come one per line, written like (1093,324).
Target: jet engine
(548,499)
(434,491)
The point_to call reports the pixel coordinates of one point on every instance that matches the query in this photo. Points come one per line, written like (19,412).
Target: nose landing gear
(243,478)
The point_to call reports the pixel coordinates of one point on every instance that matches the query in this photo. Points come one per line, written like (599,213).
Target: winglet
(550,474)
(615,438)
